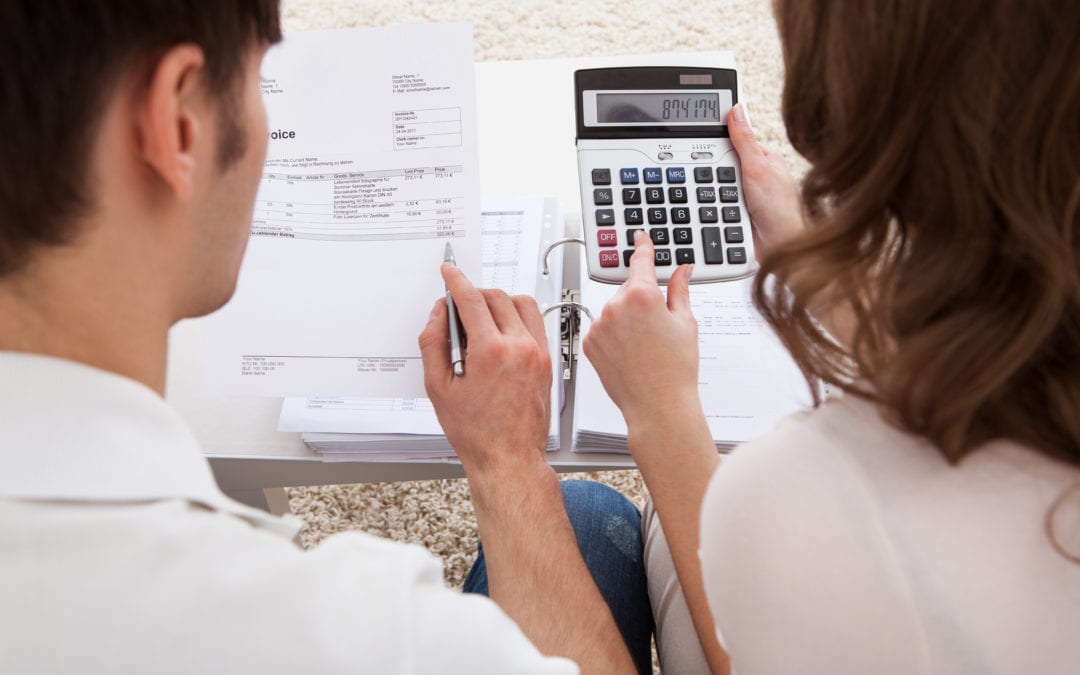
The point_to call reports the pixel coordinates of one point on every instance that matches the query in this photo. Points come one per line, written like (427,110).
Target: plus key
(713,245)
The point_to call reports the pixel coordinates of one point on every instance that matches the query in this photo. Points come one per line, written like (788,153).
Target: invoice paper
(371,167)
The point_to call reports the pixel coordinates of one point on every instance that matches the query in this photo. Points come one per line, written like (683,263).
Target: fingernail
(690,271)
(434,311)
(742,113)
(639,236)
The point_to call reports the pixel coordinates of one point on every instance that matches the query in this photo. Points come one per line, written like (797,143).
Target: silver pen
(457,348)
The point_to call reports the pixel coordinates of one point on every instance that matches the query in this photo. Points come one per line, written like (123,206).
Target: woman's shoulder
(790,539)
(852,439)
(841,432)
(835,518)
(814,461)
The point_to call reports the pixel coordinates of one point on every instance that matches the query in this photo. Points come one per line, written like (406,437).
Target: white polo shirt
(118,554)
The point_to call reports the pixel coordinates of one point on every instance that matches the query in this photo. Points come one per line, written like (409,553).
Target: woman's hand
(645,348)
(772,199)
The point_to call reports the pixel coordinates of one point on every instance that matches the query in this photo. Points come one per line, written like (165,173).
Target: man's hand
(772,199)
(645,348)
(497,416)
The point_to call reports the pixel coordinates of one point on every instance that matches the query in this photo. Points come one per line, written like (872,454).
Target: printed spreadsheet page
(371,168)
(511,244)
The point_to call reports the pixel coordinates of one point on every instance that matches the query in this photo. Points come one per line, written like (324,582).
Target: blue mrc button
(628,176)
(653,175)
(676,174)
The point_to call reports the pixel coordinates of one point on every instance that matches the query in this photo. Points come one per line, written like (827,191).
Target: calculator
(654,155)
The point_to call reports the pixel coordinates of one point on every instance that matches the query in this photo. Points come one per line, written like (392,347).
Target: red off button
(609,258)
(607,237)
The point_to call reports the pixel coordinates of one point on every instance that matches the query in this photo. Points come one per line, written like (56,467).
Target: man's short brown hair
(59,61)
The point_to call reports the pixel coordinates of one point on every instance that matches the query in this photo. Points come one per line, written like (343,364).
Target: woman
(928,520)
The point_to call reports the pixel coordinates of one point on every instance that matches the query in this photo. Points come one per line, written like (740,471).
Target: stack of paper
(747,381)
(513,233)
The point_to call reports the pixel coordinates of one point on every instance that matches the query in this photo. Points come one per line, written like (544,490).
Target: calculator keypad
(645,198)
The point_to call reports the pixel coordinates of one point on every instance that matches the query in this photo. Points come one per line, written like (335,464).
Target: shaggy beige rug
(438,514)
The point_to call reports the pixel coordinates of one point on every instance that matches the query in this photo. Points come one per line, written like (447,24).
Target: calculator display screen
(695,108)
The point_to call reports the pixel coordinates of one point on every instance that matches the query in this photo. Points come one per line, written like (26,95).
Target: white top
(839,544)
(119,554)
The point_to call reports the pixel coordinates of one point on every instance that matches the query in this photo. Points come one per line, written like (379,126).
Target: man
(134,138)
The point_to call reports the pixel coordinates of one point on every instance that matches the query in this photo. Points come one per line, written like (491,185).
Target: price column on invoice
(386,205)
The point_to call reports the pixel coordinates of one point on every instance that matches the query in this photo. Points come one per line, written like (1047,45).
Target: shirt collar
(76,433)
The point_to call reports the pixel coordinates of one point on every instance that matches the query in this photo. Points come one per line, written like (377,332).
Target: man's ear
(167,119)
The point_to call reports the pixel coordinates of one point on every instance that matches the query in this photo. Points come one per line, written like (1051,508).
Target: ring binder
(570,327)
(555,244)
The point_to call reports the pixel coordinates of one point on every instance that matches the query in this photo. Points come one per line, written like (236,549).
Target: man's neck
(97,316)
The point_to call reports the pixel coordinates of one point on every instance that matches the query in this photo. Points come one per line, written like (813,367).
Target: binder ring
(555,244)
(576,305)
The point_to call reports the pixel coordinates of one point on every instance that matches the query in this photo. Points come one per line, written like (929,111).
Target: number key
(659,236)
(657,216)
(683,235)
(680,215)
(677,195)
(631,196)
(663,257)
(633,216)
(654,195)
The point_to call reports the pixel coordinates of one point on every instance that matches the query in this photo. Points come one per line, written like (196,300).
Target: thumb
(678,289)
(435,346)
(742,134)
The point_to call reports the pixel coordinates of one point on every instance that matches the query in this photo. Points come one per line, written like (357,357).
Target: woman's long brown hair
(943,203)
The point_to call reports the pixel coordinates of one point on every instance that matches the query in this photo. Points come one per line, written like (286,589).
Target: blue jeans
(608,529)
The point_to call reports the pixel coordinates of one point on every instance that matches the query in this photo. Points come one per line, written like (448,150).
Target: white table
(527,129)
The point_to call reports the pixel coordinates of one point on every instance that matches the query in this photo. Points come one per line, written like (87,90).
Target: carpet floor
(438,514)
